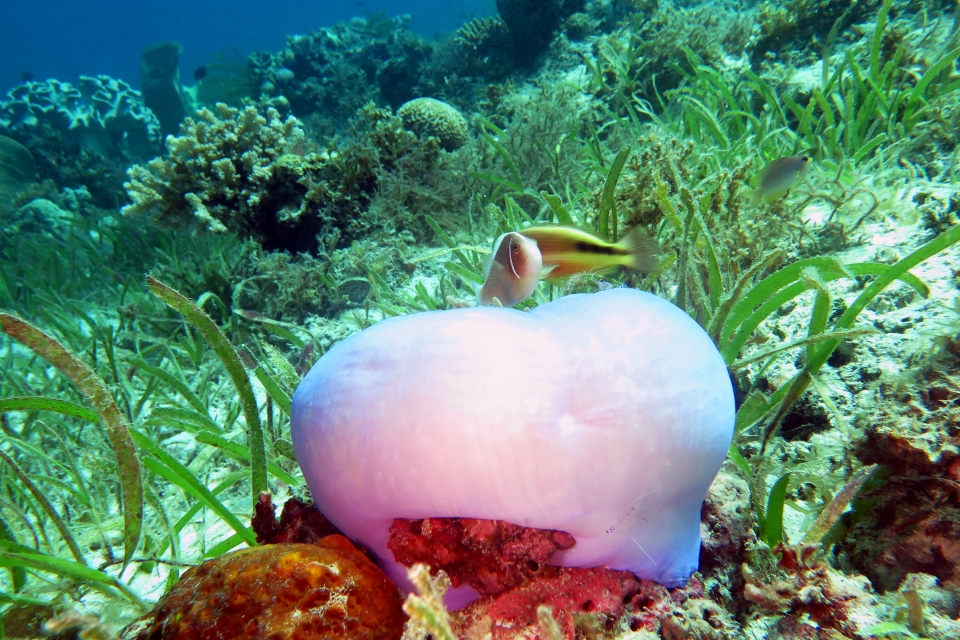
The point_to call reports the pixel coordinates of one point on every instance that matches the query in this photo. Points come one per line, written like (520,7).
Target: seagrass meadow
(168,275)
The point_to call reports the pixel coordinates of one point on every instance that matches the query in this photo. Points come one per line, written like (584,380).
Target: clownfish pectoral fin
(546,270)
(495,283)
(496,274)
(485,265)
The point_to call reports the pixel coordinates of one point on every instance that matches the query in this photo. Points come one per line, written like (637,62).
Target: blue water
(65,38)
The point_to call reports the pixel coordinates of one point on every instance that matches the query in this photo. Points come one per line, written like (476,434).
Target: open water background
(66,38)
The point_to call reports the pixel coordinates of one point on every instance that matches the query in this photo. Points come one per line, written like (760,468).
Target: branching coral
(229,170)
(256,175)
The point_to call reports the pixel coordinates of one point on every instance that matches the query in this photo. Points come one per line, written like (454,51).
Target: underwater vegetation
(155,333)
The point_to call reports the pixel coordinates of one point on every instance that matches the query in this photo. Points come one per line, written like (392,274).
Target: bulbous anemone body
(604,415)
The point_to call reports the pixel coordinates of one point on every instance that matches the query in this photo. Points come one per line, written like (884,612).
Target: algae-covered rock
(532,23)
(578,26)
(914,523)
(160,80)
(430,117)
(279,591)
(42,216)
(17,169)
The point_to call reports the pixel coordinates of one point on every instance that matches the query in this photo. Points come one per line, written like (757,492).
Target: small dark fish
(778,177)
(200,73)
(26,76)
(306,359)
(248,361)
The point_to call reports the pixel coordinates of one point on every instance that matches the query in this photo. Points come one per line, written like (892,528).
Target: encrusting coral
(489,555)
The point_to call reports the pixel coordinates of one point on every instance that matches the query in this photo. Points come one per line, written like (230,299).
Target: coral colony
(591,320)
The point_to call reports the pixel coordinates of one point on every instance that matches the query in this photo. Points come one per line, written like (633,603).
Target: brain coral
(430,117)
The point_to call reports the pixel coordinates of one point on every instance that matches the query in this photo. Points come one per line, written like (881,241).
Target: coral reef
(579,597)
(430,117)
(833,308)
(280,591)
(812,595)
(596,603)
(481,48)
(728,534)
(83,136)
(257,176)
(578,26)
(914,525)
(334,71)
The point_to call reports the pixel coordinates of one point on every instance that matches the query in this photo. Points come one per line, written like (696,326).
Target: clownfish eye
(516,248)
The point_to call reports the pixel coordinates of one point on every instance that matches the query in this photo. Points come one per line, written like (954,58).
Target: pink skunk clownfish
(511,272)
(567,251)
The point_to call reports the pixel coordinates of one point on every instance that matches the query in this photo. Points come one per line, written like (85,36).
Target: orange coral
(279,592)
